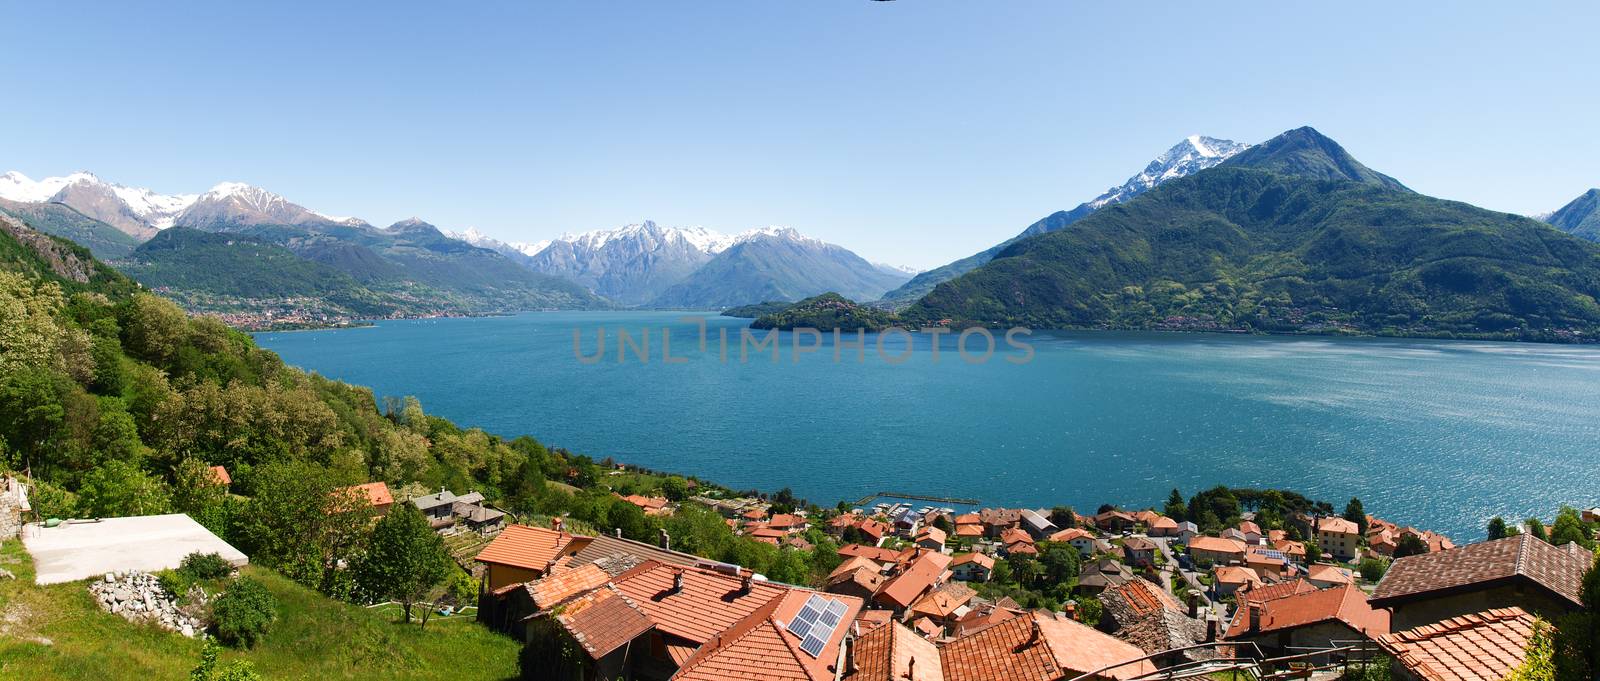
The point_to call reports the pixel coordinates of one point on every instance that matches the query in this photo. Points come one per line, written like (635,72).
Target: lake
(1440,434)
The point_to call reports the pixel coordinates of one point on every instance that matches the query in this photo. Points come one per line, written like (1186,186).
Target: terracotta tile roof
(854,562)
(1346,604)
(1070,534)
(930,533)
(1216,545)
(942,602)
(927,627)
(1484,646)
(602,621)
(978,558)
(985,616)
(708,603)
(1163,523)
(969,530)
(903,589)
(1000,516)
(551,590)
(868,579)
(522,546)
(877,553)
(1151,619)
(1138,544)
(886,654)
(647,504)
(1142,597)
(220,474)
(968,519)
(1337,524)
(1038,647)
(1014,535)
(874,528)
(1233,574)
(1249,527)
(1523,557)
(759,647)
(1147,516)
(1021,547)
(870,620)
(1333,574)
(1289,547)
(1261,594)
(786,521)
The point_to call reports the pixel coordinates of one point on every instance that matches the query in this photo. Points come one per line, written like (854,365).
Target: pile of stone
(139,597)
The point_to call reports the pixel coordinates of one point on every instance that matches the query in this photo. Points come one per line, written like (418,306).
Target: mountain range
(1292,235)
(1193,154)
(1580,218)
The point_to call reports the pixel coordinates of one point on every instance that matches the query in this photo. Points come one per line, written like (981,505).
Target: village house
(376,494)
(1323,575)
(859,577)
(1206,551)
(1115,522)
(972,567)
(998,520)
(1080,539)
(1139,552)
(659,621)
(969,526)
(1163,526)
(930,537)
(788,522)
(1271,567)
(1103,574)
(1017,540)
(876,554)
(1227,579)
(1592,515)
(1187,531)
(1146,616)
(1249,532)
(922,573)
(1338,538)
(653,506)
(1521,571)
(1234,534)
(1325,618)
(220,475)
(942,605)
(1039,647)
(1037,524)
(1485,646)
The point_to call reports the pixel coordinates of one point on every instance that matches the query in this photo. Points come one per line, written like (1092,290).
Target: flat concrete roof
(81,549)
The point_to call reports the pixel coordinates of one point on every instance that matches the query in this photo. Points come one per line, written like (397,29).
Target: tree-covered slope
(105,241)
(1581,217)
(827,311)
(1304,152)
(1241,247)
(778,266)
(924,282)
(230,265)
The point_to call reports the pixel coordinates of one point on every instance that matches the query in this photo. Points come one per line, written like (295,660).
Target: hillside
(229,265)
(40,256)
(314,638)
(1245,247)
(778,264)
(104,241)
(825,312)
(1581,217)
(1193,154)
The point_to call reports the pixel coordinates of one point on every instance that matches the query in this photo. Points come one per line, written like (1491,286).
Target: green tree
(1569,527)
(405,559)
(1497,528)
(1538,662)
(1410,545)
(244,612)
(197,492)
(1063,517)
(119,488)
(675,488)
(1060,562)
(1355,513)
(210,670)
(1372,569)
(1176,508)
(1536,528)
(301,522)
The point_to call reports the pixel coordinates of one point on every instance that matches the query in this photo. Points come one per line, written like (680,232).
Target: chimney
(747,581)
(677,582)
(1072,610)
(911,669)
(1194,605)
(1255,616)
(1034,633)
(556,523)
(619,533)
(1211,628)
(666,540)
(849,655)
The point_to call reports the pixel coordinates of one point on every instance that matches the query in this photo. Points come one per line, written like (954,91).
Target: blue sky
(913,132)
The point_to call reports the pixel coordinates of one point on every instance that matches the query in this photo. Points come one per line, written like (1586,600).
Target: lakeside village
(1268,585)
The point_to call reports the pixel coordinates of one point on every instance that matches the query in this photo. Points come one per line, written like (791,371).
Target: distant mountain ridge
(1193,154)
(778,264)
(1580,217)
(1293,235)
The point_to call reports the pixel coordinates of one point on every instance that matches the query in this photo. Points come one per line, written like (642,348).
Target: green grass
(58,632)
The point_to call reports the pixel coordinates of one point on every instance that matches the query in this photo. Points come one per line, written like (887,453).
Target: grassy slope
(314,638)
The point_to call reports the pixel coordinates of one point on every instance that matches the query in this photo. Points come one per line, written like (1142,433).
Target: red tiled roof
(220,474)
(1322,572)
(943,601)
(902,590)
(979,558)
(886,654)
(1481,647)
(1216,545)
(1019,546)
(1249,527)
(1261,594)
(1337,524)
(1038,647)
(602,621)
(1144,598)
(1233,574)
(525,547)
(930,533)
(708,603)
(877,553)
(1015,534)
(852,563)
(1070,534)
(555,588)
(758,647)
(1163,522)
(786,520)
(1524,557)
(968,519)
(1346,604)
(377,493)
(969,530)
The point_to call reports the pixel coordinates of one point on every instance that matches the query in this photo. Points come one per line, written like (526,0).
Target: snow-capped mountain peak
(777,231)
(1194,154)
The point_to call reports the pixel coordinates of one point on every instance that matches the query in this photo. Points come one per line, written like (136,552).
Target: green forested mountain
(1581,217)
(827,311)
(230,265)
(1290,236)
(105,241)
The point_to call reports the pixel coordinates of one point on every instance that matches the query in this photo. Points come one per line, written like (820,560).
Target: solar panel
(816,622)
(813,645)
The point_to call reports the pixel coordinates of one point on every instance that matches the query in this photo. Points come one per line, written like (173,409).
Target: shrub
(244,612)
(201,566)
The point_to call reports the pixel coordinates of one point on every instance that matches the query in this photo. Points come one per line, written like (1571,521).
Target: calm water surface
(1435,433)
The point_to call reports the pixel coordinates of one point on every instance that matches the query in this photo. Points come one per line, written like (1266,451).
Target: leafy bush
(201,566)
(244,613)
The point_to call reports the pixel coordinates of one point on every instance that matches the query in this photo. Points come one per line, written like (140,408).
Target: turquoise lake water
(1439,434)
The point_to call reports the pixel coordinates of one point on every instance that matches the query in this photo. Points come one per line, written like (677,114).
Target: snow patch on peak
(778,232)
(1194,154)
